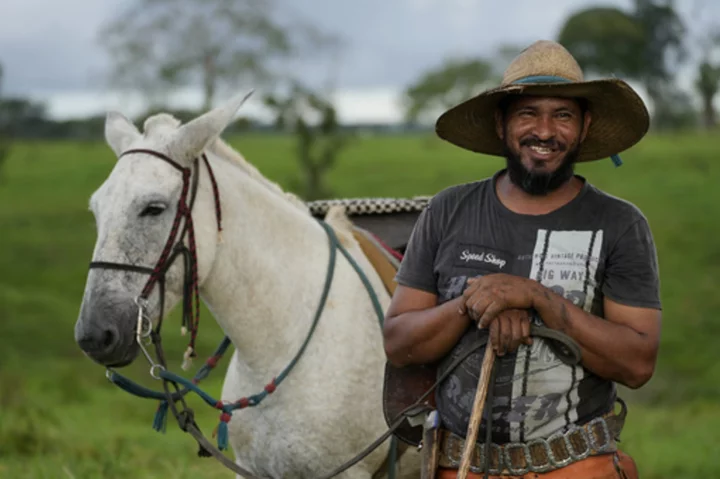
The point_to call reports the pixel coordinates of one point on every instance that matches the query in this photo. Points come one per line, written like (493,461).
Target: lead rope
(186,417)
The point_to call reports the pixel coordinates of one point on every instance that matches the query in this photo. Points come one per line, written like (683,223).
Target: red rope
(183,211)
(181,208)
(194,288)
(216,193)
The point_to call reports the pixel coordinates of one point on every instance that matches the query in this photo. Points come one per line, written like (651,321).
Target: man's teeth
(541,150)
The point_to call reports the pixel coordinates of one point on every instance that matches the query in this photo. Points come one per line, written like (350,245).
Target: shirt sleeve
(632,273)
(417,269)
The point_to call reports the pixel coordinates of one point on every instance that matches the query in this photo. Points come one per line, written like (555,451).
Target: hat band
(542,79)
(556,79)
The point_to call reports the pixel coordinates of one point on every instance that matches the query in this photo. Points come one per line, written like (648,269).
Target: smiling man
(539,245)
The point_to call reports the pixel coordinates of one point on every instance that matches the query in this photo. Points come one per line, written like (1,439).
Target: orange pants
(594,467)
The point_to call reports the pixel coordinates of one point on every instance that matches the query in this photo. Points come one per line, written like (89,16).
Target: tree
(643,44)
(454,81)
(664,49)
(605,40)
(159,45)
(318,143)
(447,85)
(707,81)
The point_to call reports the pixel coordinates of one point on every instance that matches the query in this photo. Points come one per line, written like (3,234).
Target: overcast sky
(49,49)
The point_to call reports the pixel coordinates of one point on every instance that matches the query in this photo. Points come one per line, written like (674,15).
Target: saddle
(402,386)
(382,227)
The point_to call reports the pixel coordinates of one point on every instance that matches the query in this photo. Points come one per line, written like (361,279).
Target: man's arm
(417,330)
(623,347)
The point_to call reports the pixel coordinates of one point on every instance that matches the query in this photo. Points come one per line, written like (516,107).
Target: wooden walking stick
(477,410)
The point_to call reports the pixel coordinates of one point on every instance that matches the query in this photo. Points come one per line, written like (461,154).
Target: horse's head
(136,210)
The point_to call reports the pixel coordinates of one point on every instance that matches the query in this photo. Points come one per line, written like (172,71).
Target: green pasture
(60,417)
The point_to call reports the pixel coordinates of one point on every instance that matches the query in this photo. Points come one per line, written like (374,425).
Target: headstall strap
(168,398)
(173,247)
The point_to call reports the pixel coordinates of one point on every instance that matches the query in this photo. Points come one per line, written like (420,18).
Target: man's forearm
(420,337)
(610,350)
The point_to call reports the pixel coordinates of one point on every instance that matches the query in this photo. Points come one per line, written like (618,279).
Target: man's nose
(544,128)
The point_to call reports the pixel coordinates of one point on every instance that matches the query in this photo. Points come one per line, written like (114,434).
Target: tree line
(159,46)
(646,45)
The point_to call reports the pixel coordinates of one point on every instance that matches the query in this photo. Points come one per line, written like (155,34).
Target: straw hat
(619,116)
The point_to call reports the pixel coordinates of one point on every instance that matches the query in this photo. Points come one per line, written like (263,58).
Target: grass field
(60,418)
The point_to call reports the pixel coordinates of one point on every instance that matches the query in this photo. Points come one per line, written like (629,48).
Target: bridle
(174,247)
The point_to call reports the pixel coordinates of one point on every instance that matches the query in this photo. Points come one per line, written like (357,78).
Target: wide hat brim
(619,118)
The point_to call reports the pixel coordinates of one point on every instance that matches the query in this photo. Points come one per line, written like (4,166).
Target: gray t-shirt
(595,246)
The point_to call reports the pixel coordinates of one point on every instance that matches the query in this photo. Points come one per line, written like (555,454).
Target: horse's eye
(153,209)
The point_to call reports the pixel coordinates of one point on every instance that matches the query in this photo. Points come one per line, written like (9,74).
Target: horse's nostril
(98,341)
(108,339)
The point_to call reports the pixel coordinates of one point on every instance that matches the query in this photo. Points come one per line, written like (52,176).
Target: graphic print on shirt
(566,262)
(469,260)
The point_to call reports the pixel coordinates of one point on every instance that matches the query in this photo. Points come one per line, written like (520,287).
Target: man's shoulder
(452,196)
(619,209)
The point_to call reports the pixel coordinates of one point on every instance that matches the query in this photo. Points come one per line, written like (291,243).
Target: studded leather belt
(538,455)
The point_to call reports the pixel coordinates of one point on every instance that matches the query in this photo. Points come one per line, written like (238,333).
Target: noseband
(174,247)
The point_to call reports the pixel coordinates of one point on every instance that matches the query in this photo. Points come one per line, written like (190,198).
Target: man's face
(542,139)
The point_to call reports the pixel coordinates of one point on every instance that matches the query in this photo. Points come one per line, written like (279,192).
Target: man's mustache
(551,143)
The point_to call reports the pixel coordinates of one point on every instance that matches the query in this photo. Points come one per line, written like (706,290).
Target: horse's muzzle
(105,332)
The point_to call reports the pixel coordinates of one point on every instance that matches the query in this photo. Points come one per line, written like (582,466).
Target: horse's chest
(277,448)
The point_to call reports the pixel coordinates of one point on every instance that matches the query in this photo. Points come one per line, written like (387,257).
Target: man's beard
(540,183)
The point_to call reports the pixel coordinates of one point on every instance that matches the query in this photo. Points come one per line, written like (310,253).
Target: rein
(172,249)
(146,335)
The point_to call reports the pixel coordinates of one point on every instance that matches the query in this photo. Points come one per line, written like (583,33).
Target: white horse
(262,281)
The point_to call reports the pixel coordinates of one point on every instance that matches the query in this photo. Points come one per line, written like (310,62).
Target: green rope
(254,400)
(365,280)
(392,462)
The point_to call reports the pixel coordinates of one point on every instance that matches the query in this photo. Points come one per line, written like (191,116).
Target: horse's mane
(335,216)
(162,123)
(221,148)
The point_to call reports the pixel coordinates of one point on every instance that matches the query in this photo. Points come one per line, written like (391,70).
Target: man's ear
(587,118)
(500,124)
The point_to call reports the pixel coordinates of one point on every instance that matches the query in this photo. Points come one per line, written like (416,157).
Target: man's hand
(487,296)
(509,330)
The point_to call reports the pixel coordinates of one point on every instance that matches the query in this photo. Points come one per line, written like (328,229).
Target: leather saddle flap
(402,387)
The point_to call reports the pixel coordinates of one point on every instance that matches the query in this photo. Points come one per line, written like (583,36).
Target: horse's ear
(119,132)
(192,138)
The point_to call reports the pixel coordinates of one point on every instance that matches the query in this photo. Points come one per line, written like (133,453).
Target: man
(534,244)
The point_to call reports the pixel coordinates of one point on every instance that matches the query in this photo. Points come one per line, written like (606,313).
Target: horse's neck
(268,272)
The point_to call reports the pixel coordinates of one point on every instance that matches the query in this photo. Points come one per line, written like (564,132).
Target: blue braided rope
(160,420)
(557,79)
(161,414)
(134,388)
